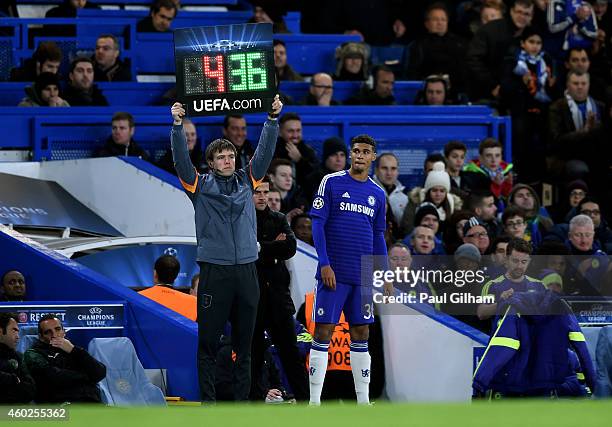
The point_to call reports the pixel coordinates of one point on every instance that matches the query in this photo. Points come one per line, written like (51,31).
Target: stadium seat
(591,334)
(603,363)
(6,57)
(126,383)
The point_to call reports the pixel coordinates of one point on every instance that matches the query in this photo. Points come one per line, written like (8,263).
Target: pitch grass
(382,414)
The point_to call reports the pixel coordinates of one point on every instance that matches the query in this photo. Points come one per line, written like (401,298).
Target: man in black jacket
(16,384)
(275,310)
(121,142)
(437,52)
(489,47)
(108,67)
(161,15)
(63,371)
(81,90)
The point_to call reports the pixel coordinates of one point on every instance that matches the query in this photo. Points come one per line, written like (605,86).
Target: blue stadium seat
(126,383)
(603,363)
(6,57)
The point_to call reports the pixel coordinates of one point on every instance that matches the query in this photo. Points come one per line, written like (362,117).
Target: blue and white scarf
(577,116)
(522,68)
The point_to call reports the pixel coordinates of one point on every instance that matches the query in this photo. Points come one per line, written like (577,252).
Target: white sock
(317,369)
(360,366)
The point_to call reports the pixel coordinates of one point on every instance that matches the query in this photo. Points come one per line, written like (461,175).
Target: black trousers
(275,315)
(226,292)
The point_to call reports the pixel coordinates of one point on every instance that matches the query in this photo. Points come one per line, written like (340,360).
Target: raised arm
(180,153)
(267,143)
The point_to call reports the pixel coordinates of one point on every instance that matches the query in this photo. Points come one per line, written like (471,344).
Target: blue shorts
(355,301)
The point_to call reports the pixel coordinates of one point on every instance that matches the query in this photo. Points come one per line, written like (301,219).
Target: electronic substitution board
(225,69)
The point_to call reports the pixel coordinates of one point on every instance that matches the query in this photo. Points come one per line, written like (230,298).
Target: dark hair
(5,318)
(123,115)
(278,162)
(288,117)
(264,180)
(166,4)
(518,245)
(489,143)
(383,155)
(433,158)
(112,37)
(277,42)
(47,51)
(363,139)
(377,69)
(296,218)
(524,3)
(529,32)
(512,211)
(576,49)
(217,146)
(454,145)
(436,78)
(226,119)
(167,268)
(48,316)
(587,200)
(78,60)
(577,74)
(43,80)
(476,199)
(273,189)
(437,6)
(500,239)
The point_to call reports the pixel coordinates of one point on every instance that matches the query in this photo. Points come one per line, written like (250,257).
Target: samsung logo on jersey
(354,207)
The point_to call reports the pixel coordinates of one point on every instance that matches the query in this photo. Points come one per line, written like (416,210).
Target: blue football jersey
(352,212)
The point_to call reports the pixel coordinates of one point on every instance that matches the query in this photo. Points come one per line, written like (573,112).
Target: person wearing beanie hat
(44,92)
(476,233)
(552,280)
(335,154)
(577,190)
(428,216)
(437,192)
(467,257)
(438,177)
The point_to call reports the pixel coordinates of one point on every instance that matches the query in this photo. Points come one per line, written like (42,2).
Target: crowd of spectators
(546,63)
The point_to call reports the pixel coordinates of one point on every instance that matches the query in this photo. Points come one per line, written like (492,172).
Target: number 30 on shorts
(369,311)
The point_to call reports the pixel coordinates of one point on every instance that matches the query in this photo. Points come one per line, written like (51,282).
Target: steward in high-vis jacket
(527,355)
(227,245)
